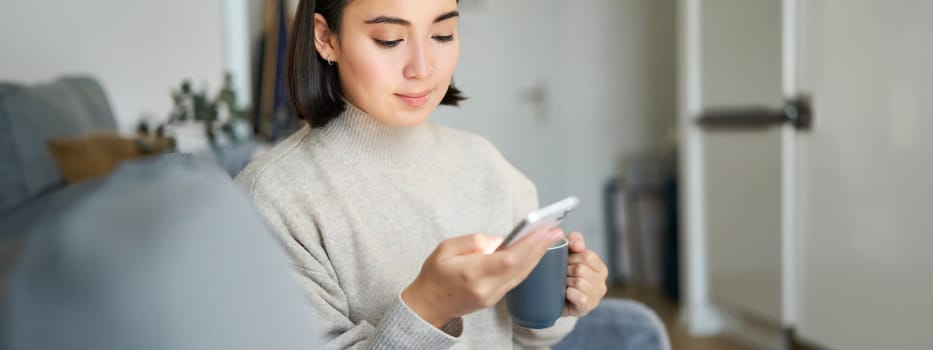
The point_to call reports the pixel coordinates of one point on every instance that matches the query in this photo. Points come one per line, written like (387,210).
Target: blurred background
(758,172)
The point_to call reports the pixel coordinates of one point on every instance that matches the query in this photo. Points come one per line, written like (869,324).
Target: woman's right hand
(461,276)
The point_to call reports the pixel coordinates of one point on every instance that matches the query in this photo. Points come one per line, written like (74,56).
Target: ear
(325,40)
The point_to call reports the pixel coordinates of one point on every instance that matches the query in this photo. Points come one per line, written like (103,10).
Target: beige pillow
(84,157)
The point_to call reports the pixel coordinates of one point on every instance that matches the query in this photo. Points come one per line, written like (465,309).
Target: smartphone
(545,218)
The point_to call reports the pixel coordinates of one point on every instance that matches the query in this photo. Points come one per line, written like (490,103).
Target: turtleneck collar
(359,135)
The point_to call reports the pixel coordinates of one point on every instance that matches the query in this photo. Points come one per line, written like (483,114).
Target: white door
(865,175)
(824,231)
(507,87)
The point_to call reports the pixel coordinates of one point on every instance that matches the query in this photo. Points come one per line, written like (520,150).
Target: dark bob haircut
(313,84)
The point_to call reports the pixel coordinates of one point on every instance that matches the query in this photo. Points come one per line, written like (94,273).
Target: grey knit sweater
(360,204)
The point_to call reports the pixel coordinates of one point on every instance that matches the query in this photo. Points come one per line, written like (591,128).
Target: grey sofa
(31,186)
(30,115)
(164,253)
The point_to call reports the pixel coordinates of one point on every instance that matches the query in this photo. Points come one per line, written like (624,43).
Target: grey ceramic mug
(539,300)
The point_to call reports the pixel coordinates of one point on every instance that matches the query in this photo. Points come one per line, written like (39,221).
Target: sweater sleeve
(526,338)
(525,199)
(400,327)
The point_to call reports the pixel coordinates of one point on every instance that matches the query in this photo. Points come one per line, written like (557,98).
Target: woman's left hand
(586,278)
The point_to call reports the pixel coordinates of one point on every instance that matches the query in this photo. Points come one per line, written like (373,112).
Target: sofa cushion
(165,253)
(32,115)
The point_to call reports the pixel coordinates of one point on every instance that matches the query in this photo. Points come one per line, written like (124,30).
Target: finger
(580,284)
(577,243)
(492,243)
(466,244)
(580,270)
(534,245)
(588,258)
(513,264)
(591,283)
(576,302)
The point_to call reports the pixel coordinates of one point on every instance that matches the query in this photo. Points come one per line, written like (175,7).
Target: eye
(443,38)
(388,43)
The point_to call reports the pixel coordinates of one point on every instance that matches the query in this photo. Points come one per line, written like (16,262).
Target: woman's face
(395,58)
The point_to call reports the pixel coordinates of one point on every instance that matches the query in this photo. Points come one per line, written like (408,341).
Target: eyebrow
(399,21)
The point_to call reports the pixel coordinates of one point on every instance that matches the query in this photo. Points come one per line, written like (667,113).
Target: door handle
(796,111)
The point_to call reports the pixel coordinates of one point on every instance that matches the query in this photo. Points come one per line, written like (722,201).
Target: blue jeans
(617,324)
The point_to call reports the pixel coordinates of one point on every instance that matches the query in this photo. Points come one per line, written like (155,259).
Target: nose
(419,61)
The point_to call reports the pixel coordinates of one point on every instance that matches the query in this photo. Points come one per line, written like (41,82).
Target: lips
(414,99)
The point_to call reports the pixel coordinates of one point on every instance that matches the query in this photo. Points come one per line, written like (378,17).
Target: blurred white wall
(614,92)
(139,50)
(609,70)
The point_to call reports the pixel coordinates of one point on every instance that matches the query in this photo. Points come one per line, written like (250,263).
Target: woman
(375,204)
